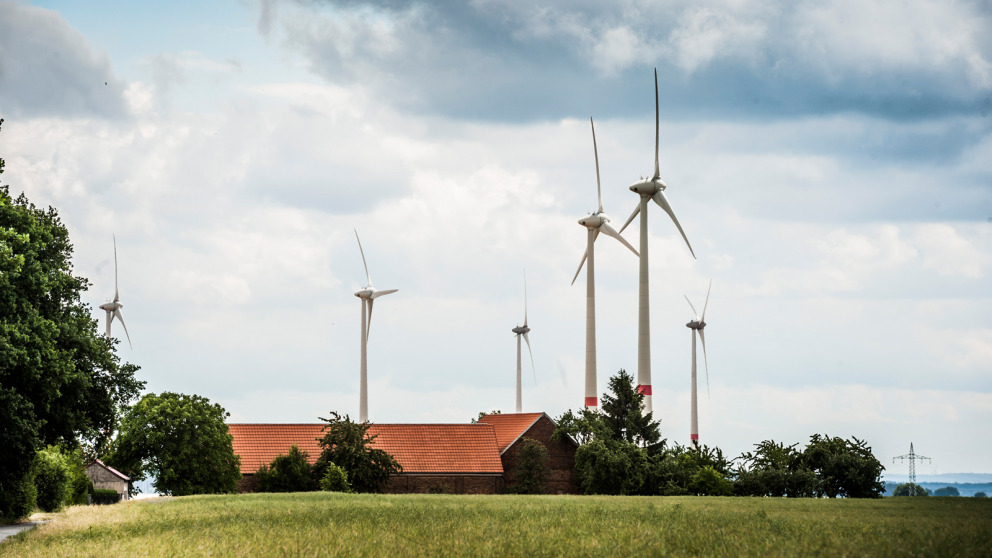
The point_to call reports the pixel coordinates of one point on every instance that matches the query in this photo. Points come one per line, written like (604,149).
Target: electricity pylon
(913,457)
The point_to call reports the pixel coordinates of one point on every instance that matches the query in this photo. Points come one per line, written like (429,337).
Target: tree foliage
(774,469)
(180,440)
(60,380)
(623,413)
(946,491)
(844,467)
(348,444)
(910,489)
(335,479)
(287,473)
(531,471)
(52,479)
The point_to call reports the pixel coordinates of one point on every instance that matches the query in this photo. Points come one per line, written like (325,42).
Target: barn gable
(511,428)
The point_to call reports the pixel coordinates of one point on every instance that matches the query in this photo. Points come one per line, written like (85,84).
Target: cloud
(511,61)
(47,68)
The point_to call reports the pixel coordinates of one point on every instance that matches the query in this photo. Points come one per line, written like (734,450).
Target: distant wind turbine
(522,331)
(368,296)
(594,223)
(113,309)
(649,189)
(696,325)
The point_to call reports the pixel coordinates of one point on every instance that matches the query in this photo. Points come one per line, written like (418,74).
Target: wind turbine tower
(649,189)
(594,223)
(696,325)
(367,296)
(522,331)
(912,457)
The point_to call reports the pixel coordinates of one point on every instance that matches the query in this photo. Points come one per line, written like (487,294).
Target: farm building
(106,477)
(512,428)
(447,458)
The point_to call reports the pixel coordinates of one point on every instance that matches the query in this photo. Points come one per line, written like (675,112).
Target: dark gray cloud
(47,68)
(517,62)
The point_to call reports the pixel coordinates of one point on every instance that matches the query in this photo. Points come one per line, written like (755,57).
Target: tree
(483,413)
(844,468)
(348,445)
(946,491)
(980,495)
(910,489)
(623,412)
(287,473)
(610,467)
(60,380)
(531,471)
(51,479)
(709,482)
(774,469)
(335,479)
(180,440)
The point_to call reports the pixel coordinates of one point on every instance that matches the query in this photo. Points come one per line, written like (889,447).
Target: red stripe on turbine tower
(694,437)
(592,402)
(644,389)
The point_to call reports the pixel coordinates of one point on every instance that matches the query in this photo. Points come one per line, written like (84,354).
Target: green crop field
(311,524)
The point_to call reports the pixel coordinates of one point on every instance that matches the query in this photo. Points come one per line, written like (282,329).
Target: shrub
(287,473)
(980,495)
(51,479)
(103,496)
(335,479)
(17,497)
(910,489)
(610,467)
(531,472)
(708,482)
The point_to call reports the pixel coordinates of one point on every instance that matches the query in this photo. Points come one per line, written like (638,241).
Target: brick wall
(561,459)
(443,484)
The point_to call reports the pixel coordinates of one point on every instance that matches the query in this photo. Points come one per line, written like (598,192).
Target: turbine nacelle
(696,324)
(594,220)
(519,330)
(648,186)
(111,306)
(365,293)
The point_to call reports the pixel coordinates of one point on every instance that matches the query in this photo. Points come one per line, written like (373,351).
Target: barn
(105,477)
(477,458)
(436,458)
(512,428)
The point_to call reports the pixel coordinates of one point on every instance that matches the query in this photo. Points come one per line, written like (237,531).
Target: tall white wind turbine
(368,296)
(649,189)
(522,331)
(113,309)
(594,223)
(696,325)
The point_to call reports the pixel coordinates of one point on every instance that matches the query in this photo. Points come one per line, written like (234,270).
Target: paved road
(10,530)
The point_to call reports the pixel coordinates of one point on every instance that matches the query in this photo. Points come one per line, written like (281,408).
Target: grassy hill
(388,525)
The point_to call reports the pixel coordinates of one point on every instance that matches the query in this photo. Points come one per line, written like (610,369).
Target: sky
(830,162)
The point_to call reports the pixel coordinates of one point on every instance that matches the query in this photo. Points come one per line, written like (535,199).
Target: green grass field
(312,524)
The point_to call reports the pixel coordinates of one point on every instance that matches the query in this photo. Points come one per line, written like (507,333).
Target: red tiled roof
(510,426)
(418,448)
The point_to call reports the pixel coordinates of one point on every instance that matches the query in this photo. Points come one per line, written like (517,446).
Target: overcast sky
(831,163)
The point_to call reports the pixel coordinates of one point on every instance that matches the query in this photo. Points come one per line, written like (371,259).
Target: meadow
(313,524)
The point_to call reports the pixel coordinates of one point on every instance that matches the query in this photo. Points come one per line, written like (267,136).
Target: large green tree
(60,380)
(348,445)
(844,467)
(180,440)
(774,469)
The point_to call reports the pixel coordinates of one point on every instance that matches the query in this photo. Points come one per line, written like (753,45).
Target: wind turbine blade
(367,278)
(377,294)
(694,313)
(116,295)
(657,171)
(703,318)
(368,326)
(581,263)
(660,199)
(120,317)
(527,339)
(525,306)
(702,341)
(631,218)
(599,189)
(609,230)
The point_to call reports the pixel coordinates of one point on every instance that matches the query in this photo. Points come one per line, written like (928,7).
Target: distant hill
(965,489)
(943,477)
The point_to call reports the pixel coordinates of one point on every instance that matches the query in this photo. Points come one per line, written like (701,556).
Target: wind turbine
(521,331)
(696,325)
(594,223)
(649,189)
(368,296)
(113,309)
